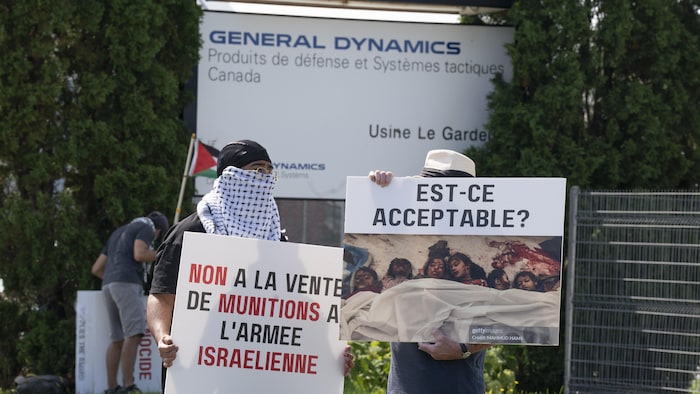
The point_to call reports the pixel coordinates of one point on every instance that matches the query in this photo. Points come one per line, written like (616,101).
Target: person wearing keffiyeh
(240,204)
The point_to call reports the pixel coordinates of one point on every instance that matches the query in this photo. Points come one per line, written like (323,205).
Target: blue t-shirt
(413,371)
(121,266)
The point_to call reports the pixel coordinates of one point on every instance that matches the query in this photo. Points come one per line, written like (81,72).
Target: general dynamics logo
(300,166)
(297,170)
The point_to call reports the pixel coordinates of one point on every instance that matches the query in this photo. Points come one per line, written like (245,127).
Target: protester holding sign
(244,170)
(442,366)
(240,204)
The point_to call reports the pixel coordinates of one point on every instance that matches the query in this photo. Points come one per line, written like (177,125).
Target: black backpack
(41,384)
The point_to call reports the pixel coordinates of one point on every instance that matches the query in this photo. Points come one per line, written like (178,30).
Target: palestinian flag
(204,160)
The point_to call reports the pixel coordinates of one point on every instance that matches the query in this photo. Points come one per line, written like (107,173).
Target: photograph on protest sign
(478,258)
(256,316)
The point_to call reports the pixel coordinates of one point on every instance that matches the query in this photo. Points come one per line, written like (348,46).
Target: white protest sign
(486,253)
(256,316)
(459,206)
(92,340)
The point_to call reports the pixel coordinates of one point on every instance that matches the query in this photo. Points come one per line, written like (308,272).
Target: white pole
(185,174)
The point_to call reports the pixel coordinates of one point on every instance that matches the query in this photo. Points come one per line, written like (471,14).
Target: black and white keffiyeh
(241,204)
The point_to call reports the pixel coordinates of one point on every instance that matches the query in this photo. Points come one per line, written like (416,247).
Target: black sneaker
(113,390)
(133,389)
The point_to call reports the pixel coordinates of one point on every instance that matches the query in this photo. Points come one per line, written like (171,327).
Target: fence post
(571,257)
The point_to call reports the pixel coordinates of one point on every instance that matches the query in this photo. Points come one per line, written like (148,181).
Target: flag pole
(185,174)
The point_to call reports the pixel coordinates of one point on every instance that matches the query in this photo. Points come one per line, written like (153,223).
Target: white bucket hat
(445,162)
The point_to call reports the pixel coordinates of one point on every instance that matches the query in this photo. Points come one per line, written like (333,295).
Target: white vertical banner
(256,316)
(91,342)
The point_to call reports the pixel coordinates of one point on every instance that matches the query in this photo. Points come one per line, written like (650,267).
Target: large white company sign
(331,98)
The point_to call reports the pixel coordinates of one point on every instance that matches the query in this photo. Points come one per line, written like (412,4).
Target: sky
(328,12)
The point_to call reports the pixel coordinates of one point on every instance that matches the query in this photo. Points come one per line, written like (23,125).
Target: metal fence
(633,292)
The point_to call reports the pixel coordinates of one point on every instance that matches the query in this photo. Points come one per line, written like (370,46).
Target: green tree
(645,92)
(91,97)
(535,121)
(603,93)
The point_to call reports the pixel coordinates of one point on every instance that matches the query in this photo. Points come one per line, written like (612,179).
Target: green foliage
(539,369)
(603,93)
(369,376)
(535,120)
(48,342)
(695,385)
(91,96)
(499,370)
(11,328)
